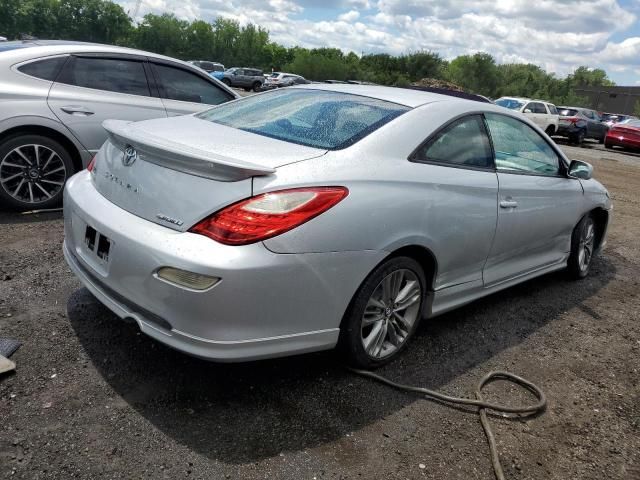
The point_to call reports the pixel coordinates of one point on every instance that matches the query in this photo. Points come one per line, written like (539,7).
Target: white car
(281,79)
(543,114)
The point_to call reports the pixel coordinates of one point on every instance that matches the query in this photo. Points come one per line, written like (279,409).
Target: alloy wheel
(32,173)
(585,247)
(390,313)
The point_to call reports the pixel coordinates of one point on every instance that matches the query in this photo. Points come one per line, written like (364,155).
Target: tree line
(228,42)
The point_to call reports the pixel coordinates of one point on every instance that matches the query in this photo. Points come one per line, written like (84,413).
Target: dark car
(610,119)
(247,78)
(578,123)
(625,135)
(208,67)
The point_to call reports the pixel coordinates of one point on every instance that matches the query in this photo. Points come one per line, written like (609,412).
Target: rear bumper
(568,130)
(265,304)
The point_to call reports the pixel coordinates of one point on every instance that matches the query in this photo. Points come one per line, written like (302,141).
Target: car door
(184,91)
(592,129)
(93,88)
(538,203)
(460,188)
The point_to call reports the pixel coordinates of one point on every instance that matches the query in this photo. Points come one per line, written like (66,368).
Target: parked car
(247,78)
(3,39)
(281,79)
(55,96)
(578,123)
(208,67)
(543,114)
(609,119)
(625,135)
(324,215)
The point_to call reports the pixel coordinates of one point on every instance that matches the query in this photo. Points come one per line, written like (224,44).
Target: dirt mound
(435,83)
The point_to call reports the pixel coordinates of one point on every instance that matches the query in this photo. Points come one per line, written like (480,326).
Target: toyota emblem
(129,156)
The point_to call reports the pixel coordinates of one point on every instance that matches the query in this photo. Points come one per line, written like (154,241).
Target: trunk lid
(176,171)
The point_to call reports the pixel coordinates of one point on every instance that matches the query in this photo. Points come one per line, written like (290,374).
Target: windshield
(630,122)
(567,112)
(510,103)
(314,118)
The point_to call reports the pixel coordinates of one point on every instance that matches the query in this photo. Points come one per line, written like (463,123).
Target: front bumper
(265,305)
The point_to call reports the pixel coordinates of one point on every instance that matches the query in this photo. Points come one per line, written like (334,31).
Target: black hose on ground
(479,402)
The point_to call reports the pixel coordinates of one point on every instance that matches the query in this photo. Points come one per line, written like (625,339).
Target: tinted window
(536,107)
(178,84)
(315,118)
(519,148)
(567,112)
(553,110)
(463,142)
(45,69)
(588,114)
(112,75)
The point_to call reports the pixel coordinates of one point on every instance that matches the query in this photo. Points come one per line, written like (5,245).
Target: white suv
(543,114)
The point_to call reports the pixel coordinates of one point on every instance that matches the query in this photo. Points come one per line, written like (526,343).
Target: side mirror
(582,170)
(527,110)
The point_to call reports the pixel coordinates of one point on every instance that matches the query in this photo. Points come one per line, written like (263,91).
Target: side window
(588,114)
(463,142)
(46,69)
(552,109)
(537,107)
(178,84)
(519,149)
(110,74)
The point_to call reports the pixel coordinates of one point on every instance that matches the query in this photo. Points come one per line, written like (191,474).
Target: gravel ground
(93,398)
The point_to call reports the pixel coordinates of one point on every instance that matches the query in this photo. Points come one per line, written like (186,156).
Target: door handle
(76,110)
(508,204)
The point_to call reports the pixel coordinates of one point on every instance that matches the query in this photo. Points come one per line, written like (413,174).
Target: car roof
(402,96)
(27,49)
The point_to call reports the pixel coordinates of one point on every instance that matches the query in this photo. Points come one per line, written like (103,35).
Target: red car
(625,135)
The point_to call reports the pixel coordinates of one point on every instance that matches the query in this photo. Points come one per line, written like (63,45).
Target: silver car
(304,218)
(54,97)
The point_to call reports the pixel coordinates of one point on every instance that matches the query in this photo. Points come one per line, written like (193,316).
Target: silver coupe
(319,216)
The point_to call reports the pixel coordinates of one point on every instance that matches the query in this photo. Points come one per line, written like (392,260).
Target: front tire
(550,130)
(33,171)
(582,248)
(578,138)
(383,314)
(256,86)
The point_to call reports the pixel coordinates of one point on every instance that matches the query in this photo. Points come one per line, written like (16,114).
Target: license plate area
(97,243)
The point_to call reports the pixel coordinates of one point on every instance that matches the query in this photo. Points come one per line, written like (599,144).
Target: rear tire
(582,248)
(578,138)
(33,171)
(383,314)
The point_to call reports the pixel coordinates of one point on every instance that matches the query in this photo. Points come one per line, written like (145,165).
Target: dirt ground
(93,398)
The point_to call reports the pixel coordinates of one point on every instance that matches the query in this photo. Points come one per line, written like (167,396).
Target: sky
(556,35)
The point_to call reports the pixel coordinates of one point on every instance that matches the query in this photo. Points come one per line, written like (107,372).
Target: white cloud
(558,36)
(350,16)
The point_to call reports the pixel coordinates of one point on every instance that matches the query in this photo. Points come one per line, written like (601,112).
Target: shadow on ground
(11,217)
(238,413)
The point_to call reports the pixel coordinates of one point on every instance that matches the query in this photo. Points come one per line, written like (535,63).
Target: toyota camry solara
(322,216)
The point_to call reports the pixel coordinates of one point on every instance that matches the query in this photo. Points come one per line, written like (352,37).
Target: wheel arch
(601,219)
(46,131)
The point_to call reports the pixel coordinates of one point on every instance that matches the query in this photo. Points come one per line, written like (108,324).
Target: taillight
(92,163)
(269,214)
(573,120)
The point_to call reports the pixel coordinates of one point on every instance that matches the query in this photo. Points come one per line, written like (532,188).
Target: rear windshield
(567,112)
(314,118)
(510,103)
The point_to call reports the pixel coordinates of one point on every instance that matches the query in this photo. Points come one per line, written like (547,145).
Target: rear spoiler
(181,157)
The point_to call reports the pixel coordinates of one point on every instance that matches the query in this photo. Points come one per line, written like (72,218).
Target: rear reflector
(267,215)
(184,278)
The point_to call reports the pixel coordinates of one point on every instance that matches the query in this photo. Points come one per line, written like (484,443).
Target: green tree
(477,73)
